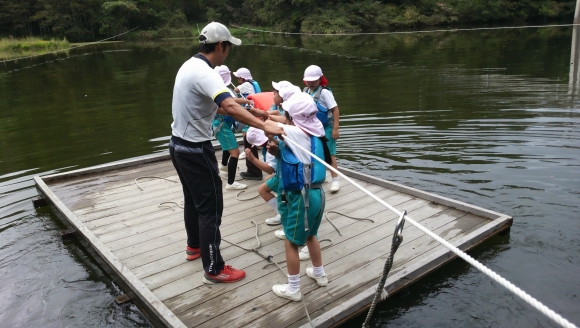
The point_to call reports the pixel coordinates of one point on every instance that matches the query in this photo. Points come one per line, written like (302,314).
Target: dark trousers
(196,166)
(252,169)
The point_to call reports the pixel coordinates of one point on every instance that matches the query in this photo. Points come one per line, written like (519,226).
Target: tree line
(84,20)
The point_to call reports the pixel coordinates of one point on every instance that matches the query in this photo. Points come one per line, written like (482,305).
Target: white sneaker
(274,221)
(282,291)
(280,234)
(236,186)
(321,281)
(242,155)
(223,168)
(304,254)
(335,186)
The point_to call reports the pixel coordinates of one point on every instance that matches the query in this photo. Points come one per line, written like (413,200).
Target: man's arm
(241,115)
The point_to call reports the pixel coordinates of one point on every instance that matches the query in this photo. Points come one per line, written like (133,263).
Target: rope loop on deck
(245,199)
(151,177)
(345,215)
(496,277)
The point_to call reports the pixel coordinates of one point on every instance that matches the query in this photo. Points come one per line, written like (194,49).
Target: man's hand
(271,127)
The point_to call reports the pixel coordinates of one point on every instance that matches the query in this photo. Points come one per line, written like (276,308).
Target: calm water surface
(484,117)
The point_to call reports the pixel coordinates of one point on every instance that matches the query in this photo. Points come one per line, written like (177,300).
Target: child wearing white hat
(247,84)
(328,112)
(301,209)
(257,138)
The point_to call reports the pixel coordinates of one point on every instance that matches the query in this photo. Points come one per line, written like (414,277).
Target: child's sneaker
(335,186)
(321,281)
(236,186)
(275,220)
(192,253)
(223,168)
(280,234)
(304,254)
(282,291)
(242,155)
(227,275)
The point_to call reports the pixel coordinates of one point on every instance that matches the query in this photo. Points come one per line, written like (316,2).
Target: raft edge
(362,301)
(152,306)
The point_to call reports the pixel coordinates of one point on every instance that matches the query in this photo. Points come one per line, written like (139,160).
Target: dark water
(484,117)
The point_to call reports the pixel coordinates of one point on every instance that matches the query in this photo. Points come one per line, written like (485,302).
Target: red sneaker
(192,253)
(227,275)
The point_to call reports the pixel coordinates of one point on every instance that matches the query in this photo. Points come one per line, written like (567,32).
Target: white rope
(406,32)
(82,45)
(502,281)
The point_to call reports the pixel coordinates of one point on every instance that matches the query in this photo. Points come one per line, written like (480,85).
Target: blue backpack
(256,86)
(296,175)
(322,113)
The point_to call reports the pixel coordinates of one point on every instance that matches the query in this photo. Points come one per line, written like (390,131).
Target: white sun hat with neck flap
(215,32)
(224,72)
(302,109)
(243,73)
(256,137)
(289,91)
(280,85)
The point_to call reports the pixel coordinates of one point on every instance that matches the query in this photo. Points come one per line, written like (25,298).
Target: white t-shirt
(326,100)
(246,88)
(300,137)
(195,91)
(271,161)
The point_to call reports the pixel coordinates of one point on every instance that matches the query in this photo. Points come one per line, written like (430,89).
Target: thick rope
(151,177)
(167,206)
(502,281)
(380,293)
(407,32)
(75,47)
(269,259)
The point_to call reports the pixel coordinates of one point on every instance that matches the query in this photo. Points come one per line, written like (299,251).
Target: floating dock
(141,244)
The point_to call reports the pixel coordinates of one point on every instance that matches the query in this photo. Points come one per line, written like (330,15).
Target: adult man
(198,94)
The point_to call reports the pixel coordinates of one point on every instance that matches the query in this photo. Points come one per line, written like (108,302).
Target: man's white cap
(225,73)
(280,85)
(312,73)
(243,73)
(215,32)
(256,136)
(287,92)
(302,109)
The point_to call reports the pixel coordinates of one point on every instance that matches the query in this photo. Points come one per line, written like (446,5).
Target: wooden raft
(141,245)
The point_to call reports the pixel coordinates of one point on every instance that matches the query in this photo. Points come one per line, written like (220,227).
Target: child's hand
(273,148)
(335,134)
(249,154)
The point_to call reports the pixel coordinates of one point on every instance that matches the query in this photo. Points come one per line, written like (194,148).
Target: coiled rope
(245,199)
(75,47)
(406,32)
(500,280)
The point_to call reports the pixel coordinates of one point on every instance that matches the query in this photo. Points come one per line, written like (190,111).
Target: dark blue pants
(197,168)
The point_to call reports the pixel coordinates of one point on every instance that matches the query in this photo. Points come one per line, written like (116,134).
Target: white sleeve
(212,84)
(271,160)
(300,137)
(327,99)
(246,87)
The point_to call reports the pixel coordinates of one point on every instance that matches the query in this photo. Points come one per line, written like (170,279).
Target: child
(300,221)
(247,84)
(257,138)
(317,87)
(222,127)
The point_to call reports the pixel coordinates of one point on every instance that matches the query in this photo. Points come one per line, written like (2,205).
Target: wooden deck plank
(181,270)
(242,231)
(360,251)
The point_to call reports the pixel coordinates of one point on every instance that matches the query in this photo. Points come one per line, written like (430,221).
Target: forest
(88,20)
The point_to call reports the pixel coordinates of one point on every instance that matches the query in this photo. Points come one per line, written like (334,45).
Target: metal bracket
(399,228)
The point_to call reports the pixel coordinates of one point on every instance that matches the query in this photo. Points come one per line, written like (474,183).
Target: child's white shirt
(300,137)
(271,161)
(246,88)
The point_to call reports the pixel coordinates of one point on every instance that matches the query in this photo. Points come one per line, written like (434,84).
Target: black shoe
(248,176)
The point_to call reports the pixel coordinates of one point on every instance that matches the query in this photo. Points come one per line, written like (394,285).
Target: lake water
(484,117)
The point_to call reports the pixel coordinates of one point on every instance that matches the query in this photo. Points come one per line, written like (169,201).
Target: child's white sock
(334,179)
(294,283)
(318,271)
(274,204)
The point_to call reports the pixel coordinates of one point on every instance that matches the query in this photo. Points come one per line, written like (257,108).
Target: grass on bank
(32,44)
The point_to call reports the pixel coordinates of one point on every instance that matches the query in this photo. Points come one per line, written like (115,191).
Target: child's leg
(292,260)
(225,157)
(314,250)
(266,193)
(335,165)
(233,165)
